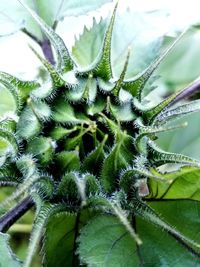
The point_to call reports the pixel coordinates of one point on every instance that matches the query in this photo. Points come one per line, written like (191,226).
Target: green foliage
(106,242)
(176,188)
(7,258)
(51,12)
(82,144)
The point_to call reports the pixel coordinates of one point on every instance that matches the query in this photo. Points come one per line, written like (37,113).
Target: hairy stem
(47,51)
(45,46)
(133,224)
(187,92)
(7,220)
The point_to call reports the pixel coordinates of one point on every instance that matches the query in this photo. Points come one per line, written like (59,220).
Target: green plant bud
(41,148)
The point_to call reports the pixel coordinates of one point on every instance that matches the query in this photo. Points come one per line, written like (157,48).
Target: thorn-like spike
(104,68)
(119,83)
(153,113)
(136,84)
(151,130)
(177,112)
(56,78)
(159,156)
(63,57)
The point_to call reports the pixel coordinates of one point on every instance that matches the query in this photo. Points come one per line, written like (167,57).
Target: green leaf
(51,12)
(181,61)
(7,258)
(64,62)
(189,143)
(160,249)
(105,241)
(184,184)
(60,238)
(87,47)
(18,15)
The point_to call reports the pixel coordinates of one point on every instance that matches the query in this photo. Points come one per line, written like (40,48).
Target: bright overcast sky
(16,57)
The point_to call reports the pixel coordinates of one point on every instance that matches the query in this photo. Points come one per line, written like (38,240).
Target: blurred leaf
(181,66)
(7,102)
(159,249)
(189,143)
(185,184)
(76,7)
(50,11)
(7,258)
(135,31)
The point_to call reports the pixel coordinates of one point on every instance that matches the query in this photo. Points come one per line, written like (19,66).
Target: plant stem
(47,51)
(7,220)
(189,90)
(20,228)
(45,46)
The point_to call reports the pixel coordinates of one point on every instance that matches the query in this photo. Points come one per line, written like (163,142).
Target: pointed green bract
(104,68)
(160,156)
(82,143)
(24,87)
(57,80)
(68,161)
(119,83)
(135,86)
(94,160)
(118,159)
(178,112)
(64,60)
